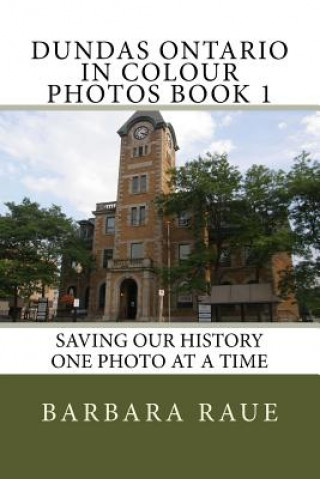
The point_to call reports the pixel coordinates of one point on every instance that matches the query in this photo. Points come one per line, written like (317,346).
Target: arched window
(72,290)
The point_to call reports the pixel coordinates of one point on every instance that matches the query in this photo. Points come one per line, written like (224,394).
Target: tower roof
(154,117)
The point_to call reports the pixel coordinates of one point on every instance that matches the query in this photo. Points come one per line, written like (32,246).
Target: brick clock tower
(148,146)
(130,242)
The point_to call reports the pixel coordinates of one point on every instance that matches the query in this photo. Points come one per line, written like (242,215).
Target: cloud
(221,146)
(42,184)
(312,123)
(226,120)
(195,131)
(73,157)
(191,126)
(309,135)
(68,156)
(282,125)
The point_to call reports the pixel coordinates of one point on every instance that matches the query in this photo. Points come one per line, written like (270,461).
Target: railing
(106,206)
(129,263)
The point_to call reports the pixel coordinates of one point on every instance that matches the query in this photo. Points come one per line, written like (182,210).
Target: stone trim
(139,165)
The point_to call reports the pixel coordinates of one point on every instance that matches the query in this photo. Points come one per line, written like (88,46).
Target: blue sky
(71,158)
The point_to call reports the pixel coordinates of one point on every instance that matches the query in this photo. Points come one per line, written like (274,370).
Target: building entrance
(128,299)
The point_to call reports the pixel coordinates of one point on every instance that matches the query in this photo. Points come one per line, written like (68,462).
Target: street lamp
(169,271)
(78,269)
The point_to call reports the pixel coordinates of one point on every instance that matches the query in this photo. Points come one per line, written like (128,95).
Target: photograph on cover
(149,216)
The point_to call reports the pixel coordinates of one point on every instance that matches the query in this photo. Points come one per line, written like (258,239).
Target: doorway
(128,299)
(102,297)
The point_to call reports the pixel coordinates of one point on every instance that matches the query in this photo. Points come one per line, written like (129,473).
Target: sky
(71,158)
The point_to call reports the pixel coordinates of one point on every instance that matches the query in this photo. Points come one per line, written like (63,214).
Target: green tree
(32,242)
(229,212)
(263,216)
(304,192)
(303,279)
(303,282)
(206,188)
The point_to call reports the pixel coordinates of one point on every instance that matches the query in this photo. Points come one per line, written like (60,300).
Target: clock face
(141,132)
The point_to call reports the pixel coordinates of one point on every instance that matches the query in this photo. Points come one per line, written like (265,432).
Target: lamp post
(169,271)
(78,269)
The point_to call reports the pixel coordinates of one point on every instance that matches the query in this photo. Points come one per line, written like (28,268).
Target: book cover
(159,239)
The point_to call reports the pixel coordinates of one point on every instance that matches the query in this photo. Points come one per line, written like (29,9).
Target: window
(135,184)
(142,215)
(225,257)
(136,250)
(139,184)
(143,183)
(140,151)
(110,225)
(83,232)
(184,251)
(72,290)
(134,216)
(184,219)
(107,254)
(184,297)
(249,256)
(138,215)
(184,301)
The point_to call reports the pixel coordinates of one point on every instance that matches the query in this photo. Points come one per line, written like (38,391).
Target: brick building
(130,241)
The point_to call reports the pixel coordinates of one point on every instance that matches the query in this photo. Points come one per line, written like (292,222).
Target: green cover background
(32,449)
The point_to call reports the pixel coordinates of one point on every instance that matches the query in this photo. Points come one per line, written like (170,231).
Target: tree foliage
(266,211)
(304,192)
(207,188)
(32,243)
(303,279)
(264,216)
